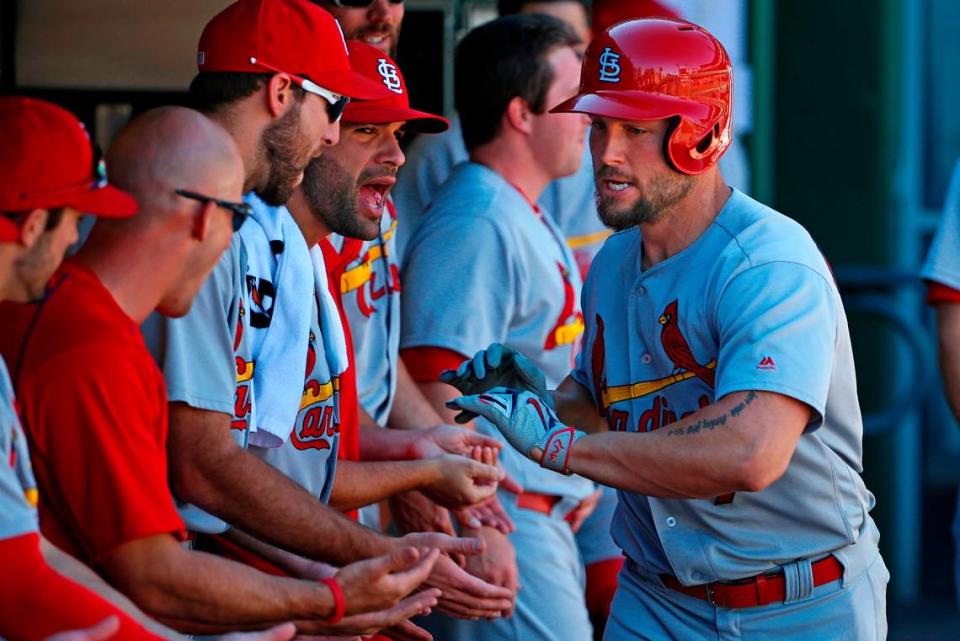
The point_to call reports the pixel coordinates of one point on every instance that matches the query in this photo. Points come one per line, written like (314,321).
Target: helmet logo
(609,66)
(389,74)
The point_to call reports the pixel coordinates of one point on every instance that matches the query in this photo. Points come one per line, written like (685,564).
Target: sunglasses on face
(241,211)
(336,102)
(358,4)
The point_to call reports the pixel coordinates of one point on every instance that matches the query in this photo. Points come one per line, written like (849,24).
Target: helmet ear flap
(669,142)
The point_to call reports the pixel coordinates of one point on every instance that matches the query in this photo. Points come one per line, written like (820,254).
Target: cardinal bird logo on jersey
(597,358)
(677,348)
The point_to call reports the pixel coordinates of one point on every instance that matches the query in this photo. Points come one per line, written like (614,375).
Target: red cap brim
(353,85)
(106,202)
(421,121)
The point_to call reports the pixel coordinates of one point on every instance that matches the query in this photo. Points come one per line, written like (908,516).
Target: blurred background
(846,120)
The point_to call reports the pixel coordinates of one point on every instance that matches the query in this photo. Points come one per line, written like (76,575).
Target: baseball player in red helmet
(715,387)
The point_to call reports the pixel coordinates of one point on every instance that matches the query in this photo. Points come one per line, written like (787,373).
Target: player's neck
(312,227)
(515,163)
(243,125)
(136,270)
(685,222)
(11,287)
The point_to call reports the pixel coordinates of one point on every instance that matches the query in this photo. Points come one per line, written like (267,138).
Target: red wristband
(339,605)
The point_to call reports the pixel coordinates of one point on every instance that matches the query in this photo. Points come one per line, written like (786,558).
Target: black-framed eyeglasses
(241,211)
(359,4)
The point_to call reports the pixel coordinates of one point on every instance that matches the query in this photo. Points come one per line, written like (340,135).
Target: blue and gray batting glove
(496,366)
(526,422)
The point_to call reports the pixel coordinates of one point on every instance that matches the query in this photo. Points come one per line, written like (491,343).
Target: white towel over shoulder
(277,252)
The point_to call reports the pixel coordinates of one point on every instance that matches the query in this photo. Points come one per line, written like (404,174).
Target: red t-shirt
(93,405)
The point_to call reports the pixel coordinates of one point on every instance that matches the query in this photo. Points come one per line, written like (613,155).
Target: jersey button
(646,358)
(641,291)
(671,522)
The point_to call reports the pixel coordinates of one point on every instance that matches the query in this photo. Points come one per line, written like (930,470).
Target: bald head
(159,258)
(174,148)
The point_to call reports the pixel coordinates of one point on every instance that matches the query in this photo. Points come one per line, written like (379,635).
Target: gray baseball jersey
(208,358)
(370,287)
(943,260)
(750,305)
(570,200)
(942,267)
(205,359)
(18,489)
(485,268)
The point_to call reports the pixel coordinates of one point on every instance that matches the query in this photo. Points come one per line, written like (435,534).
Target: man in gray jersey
(716,381)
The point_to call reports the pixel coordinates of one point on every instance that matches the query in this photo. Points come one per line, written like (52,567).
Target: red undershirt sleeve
(426,363)
(940,293)
(36,601)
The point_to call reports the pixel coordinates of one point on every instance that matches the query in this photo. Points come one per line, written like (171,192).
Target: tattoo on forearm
(710,424)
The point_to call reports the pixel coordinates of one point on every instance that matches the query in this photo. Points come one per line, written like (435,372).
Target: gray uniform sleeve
(778,333)
(196,352)
(17,515)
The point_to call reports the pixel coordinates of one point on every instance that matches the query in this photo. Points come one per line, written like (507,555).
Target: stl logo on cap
(390,76)
(609,66)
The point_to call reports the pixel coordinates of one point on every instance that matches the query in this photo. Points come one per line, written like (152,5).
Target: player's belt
(542,503)
(754,591)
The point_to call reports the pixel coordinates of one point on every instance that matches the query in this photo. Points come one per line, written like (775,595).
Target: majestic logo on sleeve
(609,66)
(390,76)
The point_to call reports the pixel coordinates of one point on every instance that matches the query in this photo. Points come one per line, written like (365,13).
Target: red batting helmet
(656,68)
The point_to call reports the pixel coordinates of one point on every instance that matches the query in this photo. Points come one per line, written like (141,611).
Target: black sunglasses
(241,211)
(359,4)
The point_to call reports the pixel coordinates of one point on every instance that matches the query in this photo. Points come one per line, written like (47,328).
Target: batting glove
(526,422)
(496,366)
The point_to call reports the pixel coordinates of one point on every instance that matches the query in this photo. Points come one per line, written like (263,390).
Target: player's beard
(36,266)
(376,29)
(649,207)
(282,151)
(331,195)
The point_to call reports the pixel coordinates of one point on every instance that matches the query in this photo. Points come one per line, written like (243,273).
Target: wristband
(339,605)
(556,449)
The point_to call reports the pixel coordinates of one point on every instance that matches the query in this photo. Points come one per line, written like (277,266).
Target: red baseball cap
(47,160)
(284,36)
(379,67)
